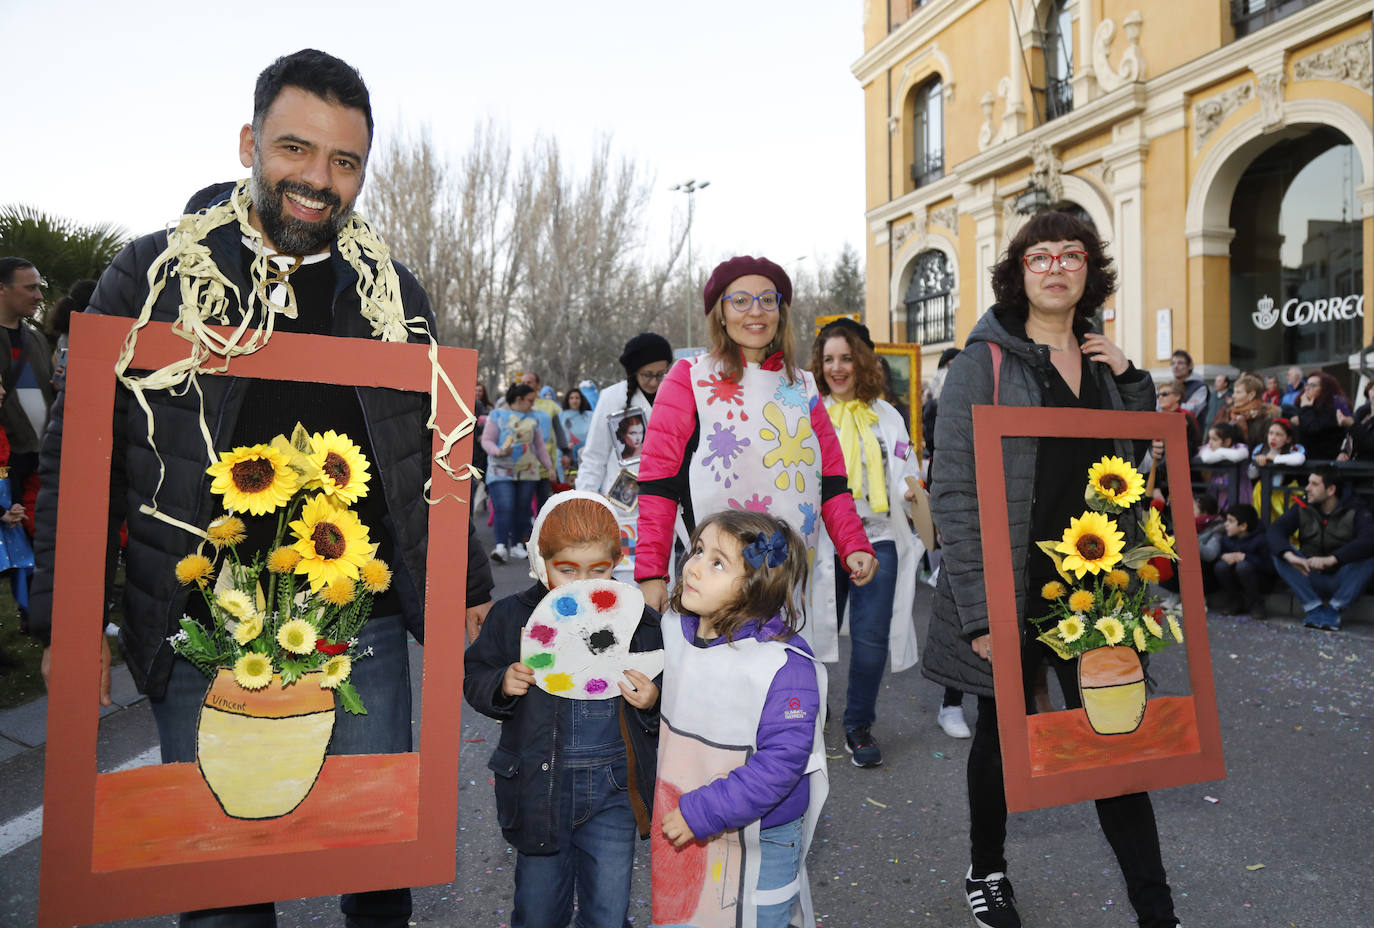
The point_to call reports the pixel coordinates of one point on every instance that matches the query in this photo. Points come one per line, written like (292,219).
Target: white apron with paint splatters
(756,450)
(712,700)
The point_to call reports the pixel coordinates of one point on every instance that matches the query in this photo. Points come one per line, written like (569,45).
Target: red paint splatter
(678,873)
(543,634)
(722,389)
(604,600)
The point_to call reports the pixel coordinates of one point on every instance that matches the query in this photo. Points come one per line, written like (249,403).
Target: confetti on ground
(1212,799)
(875,802)
(1254,866)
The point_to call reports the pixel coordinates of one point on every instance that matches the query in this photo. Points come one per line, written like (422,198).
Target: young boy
(1243,566)
(574,778)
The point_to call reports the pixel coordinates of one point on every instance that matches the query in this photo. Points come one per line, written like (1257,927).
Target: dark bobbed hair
(9,265)
(869,382)
(1228,430)
(76,301)
(1245,514)
(567,399)
(517,390)
(766,591)
(1008,275)
(320,73)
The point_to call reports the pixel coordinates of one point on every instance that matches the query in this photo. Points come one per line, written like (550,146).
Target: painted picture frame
(1055,758)
(154,840)
(904,360)
(628,428)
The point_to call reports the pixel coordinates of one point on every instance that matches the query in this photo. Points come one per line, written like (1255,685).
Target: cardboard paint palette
(577,641)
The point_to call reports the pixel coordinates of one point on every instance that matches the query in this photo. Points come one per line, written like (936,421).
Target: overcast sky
(117,112)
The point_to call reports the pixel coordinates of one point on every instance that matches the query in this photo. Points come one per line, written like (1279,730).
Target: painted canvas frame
(905,361)
(1055,758)
(153,839)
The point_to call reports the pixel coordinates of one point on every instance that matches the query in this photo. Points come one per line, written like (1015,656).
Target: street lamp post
(690,187)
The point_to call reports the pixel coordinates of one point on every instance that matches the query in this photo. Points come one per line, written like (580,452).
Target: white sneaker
(499,554)
(519,553)
(951,719)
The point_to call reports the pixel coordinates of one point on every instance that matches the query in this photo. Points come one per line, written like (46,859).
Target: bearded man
(292,251)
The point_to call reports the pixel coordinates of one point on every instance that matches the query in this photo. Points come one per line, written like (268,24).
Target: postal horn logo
(1265,315)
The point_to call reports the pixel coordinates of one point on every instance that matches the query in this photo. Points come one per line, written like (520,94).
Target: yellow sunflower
(376,576)
(1091,544)
(235,602)
(253,671)
(1052,590)
(332,542)
(342,469)
(1111,629)
(1175,629)
(1139,635)
(1148,572)
(339,592)
(336,671)
(297,636)
(1116,481)
(248,628)
(194,568)
(1071,629)
(283,560)
(227,531)
(1153,626)
(1154,530)
(257,479)
(1080,600)
(1118,579)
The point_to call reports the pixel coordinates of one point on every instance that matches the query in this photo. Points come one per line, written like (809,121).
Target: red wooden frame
(153,840)
(1055,758)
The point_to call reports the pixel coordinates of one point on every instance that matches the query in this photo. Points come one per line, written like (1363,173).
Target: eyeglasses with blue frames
(1040,262)
(741,302)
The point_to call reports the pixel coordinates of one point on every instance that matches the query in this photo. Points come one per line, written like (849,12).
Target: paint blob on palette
(577,641)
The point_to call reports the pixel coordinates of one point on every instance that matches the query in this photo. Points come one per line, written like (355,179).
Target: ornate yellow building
(1224,150)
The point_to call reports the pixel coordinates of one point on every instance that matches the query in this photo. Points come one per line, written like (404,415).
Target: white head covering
(537,569)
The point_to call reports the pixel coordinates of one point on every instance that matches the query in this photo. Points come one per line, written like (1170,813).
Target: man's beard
(290,235)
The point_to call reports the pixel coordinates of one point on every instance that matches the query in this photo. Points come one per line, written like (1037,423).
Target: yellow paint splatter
(558,682)
(717,869)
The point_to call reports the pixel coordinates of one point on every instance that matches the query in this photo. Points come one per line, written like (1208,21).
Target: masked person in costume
(743,427)
(281,251)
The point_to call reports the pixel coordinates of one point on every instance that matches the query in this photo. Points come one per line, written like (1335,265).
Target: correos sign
(1302,312)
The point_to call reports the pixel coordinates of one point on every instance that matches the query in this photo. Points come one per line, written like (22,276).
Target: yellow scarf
(854,421)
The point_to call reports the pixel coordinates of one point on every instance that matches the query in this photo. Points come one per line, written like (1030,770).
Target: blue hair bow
(770,548)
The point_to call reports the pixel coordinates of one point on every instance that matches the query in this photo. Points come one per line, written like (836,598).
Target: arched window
(930,300)
(1058,51)
(928,124)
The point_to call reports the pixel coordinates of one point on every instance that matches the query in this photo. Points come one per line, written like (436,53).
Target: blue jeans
(511,501)
(1324,596)
(596,854)
(870,620)
(383,681)
(780,861)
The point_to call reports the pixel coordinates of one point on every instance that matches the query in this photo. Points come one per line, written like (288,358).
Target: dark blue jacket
(1255,547)
(526,760)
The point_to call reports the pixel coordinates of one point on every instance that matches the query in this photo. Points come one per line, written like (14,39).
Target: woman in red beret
(743,427)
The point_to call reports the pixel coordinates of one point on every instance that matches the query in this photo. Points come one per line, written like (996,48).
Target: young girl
(1280,448)
(1225,447)
(574,778)
(741,775)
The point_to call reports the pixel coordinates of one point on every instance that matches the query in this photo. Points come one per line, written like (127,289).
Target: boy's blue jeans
(511,502)
(780,861)
(870,621)
(1324,596)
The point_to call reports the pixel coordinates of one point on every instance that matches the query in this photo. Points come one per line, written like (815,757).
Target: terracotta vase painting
(1112,684)
(260,751)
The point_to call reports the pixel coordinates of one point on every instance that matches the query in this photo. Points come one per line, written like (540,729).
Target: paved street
(1283,841)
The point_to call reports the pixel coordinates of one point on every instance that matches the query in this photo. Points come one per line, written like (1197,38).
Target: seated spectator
(1210,528)
(1170,399)
(1321,422)
(1272,393)
(1251,413)
(1220,401)
(1279,448)
(1293,393)
(1334,558)
(1243,567)
(1359,438)
(1225,447)
(1195,395)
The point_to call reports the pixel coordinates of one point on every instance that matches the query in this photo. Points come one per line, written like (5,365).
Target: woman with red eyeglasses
(1034,347)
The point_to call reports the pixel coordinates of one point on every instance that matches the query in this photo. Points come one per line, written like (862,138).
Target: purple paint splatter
(596,686)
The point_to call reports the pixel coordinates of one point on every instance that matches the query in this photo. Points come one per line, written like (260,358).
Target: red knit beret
(742,266)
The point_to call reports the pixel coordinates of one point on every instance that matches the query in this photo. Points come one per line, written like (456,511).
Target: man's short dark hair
(1331,479)
(1180,353)
(9,265)
(329,78)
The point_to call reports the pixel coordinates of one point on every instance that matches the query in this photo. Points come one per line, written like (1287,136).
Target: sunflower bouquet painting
(295,608)
(1103,612)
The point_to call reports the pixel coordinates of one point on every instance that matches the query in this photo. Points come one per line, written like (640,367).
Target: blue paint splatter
(792,394)
(808,512)
(566,605)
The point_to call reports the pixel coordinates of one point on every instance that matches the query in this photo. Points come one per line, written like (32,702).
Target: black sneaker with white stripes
(991,900)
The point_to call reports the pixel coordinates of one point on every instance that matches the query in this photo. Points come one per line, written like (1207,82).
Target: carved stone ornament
(1348,62)
(987,134)
(1045,170)
(1271,97)
(1212,111)
(1132,68)
(893,123)
(900,233)
(1101,173)
(947,216)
